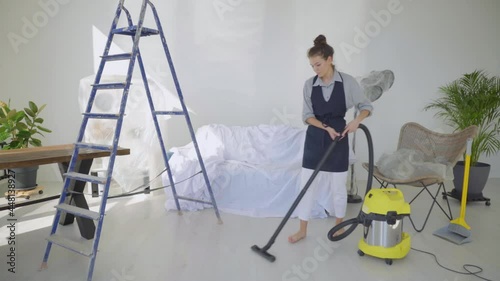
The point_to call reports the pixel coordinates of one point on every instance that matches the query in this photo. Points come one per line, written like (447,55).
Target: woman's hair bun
(320,40)
(320,48)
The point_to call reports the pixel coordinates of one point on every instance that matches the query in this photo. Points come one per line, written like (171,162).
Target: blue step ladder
(136,32)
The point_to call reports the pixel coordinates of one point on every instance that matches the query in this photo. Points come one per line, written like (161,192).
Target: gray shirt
(354,95)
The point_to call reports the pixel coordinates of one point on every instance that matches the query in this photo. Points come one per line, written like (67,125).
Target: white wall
(243,62)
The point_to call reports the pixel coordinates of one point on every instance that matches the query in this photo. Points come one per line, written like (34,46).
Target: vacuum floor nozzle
(263,253)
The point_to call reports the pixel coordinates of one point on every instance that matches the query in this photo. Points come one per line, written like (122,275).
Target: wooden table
(60,154)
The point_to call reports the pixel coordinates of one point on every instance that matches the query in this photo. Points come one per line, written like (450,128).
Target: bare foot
(340,231)
(296,237)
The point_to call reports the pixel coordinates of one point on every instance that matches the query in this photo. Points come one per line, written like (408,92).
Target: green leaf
(14,144)
(29,112)
(41,108)
(35,142)
(21,126)
(39,120)
(24,134)
(18,116)
(29,122)
(4,136)
(11,114)
(44,129)
(33,107)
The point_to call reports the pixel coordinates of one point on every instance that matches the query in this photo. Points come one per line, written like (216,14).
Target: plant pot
(25,178)
(478,177)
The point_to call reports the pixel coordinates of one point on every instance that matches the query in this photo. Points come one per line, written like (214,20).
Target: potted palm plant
(473,99)
(19,129)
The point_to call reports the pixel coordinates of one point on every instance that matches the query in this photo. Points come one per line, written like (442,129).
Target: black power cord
(465,266)
(131,193)
(146,189)
(143,185)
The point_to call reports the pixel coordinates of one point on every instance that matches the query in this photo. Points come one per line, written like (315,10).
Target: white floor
(142,241)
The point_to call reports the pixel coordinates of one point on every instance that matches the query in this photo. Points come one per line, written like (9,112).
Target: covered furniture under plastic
(254,171)
(431,147)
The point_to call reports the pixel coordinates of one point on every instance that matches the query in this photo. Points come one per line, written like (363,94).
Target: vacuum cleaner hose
(353,222)
(359,219)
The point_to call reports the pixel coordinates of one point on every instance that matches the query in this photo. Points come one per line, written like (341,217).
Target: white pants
(328,190)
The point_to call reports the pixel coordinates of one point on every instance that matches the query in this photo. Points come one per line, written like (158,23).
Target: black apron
(332,113)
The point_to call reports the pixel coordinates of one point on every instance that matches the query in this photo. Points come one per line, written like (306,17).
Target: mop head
(460,229)
(454,233)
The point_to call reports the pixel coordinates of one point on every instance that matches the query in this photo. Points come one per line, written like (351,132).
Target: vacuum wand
(263,251)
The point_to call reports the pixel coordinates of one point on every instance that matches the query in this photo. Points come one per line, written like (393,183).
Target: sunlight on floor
(26,226)
(137,199)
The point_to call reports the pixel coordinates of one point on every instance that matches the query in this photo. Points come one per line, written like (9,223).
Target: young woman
(327,97)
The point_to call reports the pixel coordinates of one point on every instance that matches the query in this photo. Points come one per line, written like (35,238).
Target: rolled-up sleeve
(307,110)
(356,97)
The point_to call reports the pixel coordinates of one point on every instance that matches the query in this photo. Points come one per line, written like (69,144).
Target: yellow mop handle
(466,179)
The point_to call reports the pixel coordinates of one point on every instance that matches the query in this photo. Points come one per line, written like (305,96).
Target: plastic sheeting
(253,171)
(405,164)
(138,132)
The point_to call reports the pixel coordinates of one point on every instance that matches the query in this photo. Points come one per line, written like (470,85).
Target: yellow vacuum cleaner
(382,218)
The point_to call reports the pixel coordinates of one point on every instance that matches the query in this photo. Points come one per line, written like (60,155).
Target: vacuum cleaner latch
(391,217)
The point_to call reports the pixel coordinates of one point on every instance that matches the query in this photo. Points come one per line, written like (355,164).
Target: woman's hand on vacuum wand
(351,127)
(354,124)
(316,123)
(332,132)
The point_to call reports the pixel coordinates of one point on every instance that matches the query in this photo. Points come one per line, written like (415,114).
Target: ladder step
(84,213)
(131,30)
(109,86)
(116,57)
(103,147)
(70,245)
(169,112)
(85,178)
(102,115)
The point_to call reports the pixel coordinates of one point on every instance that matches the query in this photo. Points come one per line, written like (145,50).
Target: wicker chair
(451,147)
